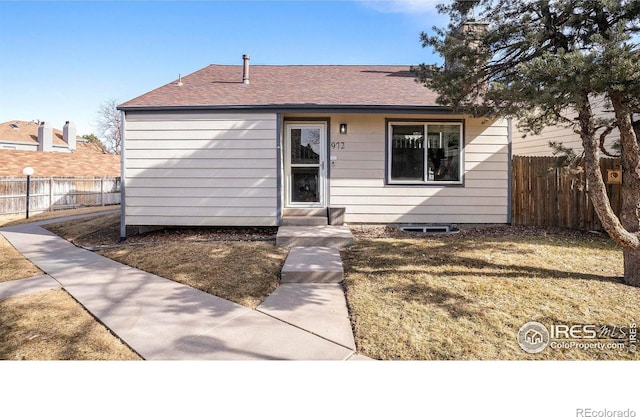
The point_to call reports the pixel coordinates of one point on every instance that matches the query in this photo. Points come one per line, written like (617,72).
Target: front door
(305,167)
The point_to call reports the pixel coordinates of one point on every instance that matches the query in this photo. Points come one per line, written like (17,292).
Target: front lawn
(410,297)
(465,296)
(51,325)
(240,265)
(17,219)
(13,265)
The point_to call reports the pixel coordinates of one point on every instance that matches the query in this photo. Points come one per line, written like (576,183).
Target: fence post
(50,193)
(102,191)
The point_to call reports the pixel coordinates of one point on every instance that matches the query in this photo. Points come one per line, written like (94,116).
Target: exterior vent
(14,126)
(449,228)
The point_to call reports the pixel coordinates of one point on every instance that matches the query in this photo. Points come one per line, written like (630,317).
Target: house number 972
(336,146)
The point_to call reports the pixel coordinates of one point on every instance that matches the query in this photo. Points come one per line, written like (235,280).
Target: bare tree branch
(109,127)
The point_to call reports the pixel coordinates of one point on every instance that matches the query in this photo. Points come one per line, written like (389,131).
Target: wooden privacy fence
(545,195)
(48,194)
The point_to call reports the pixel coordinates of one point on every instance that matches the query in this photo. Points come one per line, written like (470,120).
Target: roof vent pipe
(245,68)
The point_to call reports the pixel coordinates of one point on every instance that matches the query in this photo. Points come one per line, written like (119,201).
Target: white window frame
(425,125)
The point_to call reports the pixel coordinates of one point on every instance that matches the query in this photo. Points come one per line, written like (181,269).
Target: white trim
(123,175)
(322,164)
(425,124)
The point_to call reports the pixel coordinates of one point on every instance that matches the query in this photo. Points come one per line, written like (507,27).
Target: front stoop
(312,264)
(304,221)
(327,236)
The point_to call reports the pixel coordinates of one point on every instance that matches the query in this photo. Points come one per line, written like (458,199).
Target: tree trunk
(631,267)
(630,191)
(597,190)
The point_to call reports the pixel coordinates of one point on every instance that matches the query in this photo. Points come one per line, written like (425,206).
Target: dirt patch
(104,231)
(497,231)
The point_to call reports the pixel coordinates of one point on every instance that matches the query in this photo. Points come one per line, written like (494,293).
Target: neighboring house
(228,146)
(37,136)
(62,153)
(538,145)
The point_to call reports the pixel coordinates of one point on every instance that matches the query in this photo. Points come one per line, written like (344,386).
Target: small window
(425,153)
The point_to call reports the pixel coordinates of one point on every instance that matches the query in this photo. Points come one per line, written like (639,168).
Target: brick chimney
(45,137)
(470,29)
(69,135)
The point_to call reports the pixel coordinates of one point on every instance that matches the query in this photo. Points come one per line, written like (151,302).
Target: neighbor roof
(26,132)
(88,160)
(220,86)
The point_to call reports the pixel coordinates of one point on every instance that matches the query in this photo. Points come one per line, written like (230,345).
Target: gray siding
(538,145)
(357,178)
(209,169)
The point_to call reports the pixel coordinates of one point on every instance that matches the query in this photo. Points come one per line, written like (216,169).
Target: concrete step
(318,212)
(327,236)
(314,264)
(304,221)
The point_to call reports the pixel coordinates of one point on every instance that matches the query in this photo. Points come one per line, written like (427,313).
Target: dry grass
(89,231)
(215,261)
(16,219)
(50,325)
(466,296)
(13,265)
(242,272)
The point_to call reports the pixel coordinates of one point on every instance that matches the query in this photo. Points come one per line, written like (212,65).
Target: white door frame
(322,164)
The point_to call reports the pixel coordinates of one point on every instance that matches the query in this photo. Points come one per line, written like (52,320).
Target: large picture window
(425,153)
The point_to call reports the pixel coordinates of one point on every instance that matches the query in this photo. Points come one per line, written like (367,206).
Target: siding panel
(203,220)
(231,192)
(200,173)
(201,169)
(206,183)
(358,176)
(202,153)
(204,125)
(200,163)
(227,141)
(538,145)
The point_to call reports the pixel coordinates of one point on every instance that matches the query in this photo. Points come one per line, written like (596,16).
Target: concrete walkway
(162,319)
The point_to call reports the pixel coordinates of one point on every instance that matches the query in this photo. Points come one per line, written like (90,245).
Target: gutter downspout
(279,169)
(510,169)
(123,226)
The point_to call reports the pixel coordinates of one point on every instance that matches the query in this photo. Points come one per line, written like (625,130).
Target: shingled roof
(88,160)
(299,86)
(26,132)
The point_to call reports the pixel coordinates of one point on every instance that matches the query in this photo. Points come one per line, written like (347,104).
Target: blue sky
(61,60)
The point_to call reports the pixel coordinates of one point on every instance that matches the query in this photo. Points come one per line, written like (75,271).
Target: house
(51,152)
(248,145)
(37,136)
(538,145)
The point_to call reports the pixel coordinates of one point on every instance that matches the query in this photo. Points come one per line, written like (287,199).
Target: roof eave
(373,108)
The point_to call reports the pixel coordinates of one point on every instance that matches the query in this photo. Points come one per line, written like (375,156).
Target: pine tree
(540,61)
